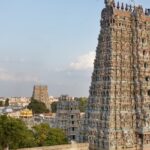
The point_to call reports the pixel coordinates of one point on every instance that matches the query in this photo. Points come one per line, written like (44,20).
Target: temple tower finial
(109,2)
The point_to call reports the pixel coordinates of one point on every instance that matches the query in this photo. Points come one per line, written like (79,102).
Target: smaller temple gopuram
(40,93)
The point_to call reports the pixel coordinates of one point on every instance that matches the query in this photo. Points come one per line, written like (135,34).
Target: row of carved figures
(127,7)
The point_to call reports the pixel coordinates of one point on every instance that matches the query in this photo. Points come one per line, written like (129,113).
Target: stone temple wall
(118,113)
(81,146)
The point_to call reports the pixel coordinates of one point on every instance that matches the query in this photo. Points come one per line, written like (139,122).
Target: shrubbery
(15,134)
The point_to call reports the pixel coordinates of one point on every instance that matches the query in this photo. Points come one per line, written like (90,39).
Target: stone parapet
(80,146)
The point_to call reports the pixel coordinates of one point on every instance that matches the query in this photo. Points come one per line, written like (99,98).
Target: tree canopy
(37,107)
(1,104)
(15,134)
(46,136)
(12,132)
(7,102)
(54,107)
(82,103)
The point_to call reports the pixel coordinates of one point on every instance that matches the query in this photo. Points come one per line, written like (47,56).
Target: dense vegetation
(1,104)
(54,107)
(15,134)
(45,135)
(37,107)
(7,102)
(82,103)
(12,132)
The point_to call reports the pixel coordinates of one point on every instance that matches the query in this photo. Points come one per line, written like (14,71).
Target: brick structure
(119,101)
(40,93)
(68,117)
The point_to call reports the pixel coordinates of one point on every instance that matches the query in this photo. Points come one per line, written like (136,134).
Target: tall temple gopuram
(40,93)
(119,101)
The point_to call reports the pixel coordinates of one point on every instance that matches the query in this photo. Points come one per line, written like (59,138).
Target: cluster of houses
(67,117)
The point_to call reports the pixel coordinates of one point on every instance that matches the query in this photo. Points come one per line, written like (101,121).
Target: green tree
(56,137)
(41,133)
(7,102)
(12,132)
(28,141)
(54,107)
(1,103)
(46,136)
(82,103)
(37,107)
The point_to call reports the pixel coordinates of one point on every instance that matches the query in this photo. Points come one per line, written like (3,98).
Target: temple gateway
(119,100)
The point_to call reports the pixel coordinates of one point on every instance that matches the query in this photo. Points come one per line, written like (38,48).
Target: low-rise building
(53,99)
(19,101)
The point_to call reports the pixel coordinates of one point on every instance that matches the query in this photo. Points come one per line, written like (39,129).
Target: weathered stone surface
(81,146)
(68,117)
(40,93)
(119,101)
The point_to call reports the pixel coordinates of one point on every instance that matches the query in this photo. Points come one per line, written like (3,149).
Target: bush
(37,107)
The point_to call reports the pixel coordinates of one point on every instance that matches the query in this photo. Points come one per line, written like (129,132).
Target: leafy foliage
(45,135)
(41,133)
(54,107)
(56,137)
(37,107)
(12,132)
(7,102)
(1,104)
(15,134)
(28,141)
(82,103)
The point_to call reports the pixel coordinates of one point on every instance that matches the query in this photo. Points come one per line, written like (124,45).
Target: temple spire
(109,2)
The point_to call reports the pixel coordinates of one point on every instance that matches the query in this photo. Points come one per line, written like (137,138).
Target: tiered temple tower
(119,102)
(40,93)
(68,117)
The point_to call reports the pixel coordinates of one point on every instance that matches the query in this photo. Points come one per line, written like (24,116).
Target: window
(147,78)
(72,116)
(73,137)
(148,92)
(143,40)
(145,65)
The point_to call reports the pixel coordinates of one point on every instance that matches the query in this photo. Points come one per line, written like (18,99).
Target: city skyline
(48,42)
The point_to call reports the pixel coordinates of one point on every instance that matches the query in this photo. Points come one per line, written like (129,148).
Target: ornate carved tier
(119,100)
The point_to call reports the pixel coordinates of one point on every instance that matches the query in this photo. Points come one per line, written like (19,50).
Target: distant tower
(40,93)
(119,100)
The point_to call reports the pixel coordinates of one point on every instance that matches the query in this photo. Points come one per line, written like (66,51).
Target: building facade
(40,93)
(119,101)
(68,117)
(19,101)
(83,134)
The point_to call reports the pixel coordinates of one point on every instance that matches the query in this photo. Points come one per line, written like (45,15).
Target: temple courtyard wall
(80,146)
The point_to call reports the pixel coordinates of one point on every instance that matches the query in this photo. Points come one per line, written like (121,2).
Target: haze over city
(48,42)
